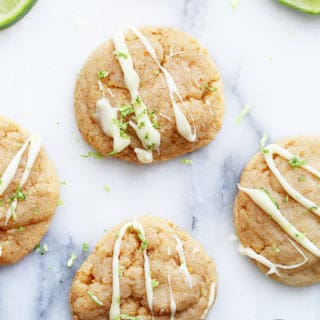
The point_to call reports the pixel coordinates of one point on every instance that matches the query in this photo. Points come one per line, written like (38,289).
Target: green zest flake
(141,124)
(120,271)
(265,150)
(313,208)
(263,141)
(94,298)
(300,235)
(112,153)
(147,136)
(85,247)
(155,123)
(234,4)
(270,197)
(304,211)
(117,299)
(117,234)
(154,283)
(151,146)
(106,188)
(296,162)
(42,250)
(122,126)
(71,260)
(0,182)
(102,74)
(60,203)
(20,229)
(276,249)
(242,114)
(285,199)
(186,161)
(91,154)
(138,101)
(144,245)
(212,89)
(18,195)
(126,109)
(120,54)
(63,183)
(301,178)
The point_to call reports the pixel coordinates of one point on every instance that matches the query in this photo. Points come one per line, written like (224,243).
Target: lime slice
(308,6)
(12,11)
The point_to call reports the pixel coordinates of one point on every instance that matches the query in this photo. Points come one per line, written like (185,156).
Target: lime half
(308,6)
(12,11)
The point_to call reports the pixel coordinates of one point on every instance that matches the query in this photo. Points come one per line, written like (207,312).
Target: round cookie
(91,294)
(22,229)
(193,71)
(260,234)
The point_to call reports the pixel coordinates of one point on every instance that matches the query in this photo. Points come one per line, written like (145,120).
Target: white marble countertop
(269,58)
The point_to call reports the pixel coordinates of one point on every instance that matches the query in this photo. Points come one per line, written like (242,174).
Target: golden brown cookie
(196,77)
(22,228)
(181,275)
(292,246)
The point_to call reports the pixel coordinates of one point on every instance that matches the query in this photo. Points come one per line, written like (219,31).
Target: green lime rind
(16,14)
(306,6)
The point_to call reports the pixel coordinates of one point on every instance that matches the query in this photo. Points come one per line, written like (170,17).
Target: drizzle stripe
(183,262)
(183,125)
(115,305)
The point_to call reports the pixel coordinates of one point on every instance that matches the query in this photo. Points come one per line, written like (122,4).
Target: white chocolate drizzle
(35,145)
(143,155)
(183,262)
(276,149)
(173,306)
(212,294)
(182,123)
(148,135)
(273,267)
(260,198)
(115,305)
(263,200)
(108,116)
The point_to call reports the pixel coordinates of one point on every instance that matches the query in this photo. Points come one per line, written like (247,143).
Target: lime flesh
(308,6)
(12,11)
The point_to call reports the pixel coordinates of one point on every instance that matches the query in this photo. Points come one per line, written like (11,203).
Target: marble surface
(269,58)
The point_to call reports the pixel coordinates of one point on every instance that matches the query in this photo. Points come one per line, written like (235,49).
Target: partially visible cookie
(276,211)
(149,95)
(161,273)
(29,192)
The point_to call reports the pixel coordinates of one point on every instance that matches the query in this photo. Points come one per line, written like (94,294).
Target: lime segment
(308,6)
(12,11)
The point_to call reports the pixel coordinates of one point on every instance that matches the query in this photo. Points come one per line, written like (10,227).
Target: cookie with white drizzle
(148,95)
(29,192)
(277,213)
(145,269)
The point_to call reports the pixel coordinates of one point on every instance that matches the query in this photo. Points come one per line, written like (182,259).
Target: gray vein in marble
(55,277)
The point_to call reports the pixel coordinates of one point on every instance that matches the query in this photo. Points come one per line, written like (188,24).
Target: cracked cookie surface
(190,66)
(33,215)
(95,275)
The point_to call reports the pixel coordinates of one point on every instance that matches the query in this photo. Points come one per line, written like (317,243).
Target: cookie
(148,95)
(29,192)
(145,269)
(276,211)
